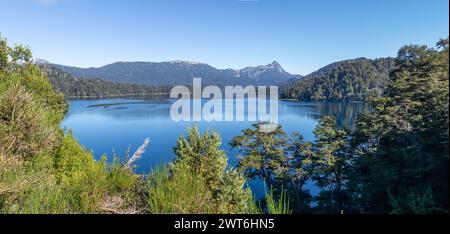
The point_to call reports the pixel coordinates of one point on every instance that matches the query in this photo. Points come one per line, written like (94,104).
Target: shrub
(25,129)
(200,155)
(180,192)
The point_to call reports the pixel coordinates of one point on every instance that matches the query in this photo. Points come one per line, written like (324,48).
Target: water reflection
(345,113)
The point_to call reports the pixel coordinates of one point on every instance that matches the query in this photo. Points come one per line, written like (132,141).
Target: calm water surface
(116,125)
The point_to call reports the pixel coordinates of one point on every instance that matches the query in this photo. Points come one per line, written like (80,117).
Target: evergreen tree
(285,164)
(402,165)
(301,168)
(351,80)
(263,154)
(331,159)
(201,156)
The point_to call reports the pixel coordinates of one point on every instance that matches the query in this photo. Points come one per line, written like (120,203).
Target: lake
(116,125)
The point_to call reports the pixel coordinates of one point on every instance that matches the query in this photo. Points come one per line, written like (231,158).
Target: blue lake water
(116,125)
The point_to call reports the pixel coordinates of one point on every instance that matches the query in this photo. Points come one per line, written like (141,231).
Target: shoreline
(112,96)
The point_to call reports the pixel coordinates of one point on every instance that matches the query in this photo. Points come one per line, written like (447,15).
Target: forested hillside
(72,86)
(349,80)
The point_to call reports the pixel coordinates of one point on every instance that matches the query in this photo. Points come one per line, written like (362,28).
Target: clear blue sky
(302,35)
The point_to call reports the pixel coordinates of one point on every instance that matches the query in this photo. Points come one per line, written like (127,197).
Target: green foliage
(41,169)
(331,159)
(199,180)
(350,80)
(284,163)
(415,201)
(17,69)
(69,181)
(11,57)
(25,126)
(200,155)
(396,161)
(46,171)
(180,192)
(301,167)
(84,178)
(280,206)
(263,154)
(403,144)
(22,182)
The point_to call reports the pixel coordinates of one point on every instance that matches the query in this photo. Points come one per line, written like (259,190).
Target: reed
(139,152)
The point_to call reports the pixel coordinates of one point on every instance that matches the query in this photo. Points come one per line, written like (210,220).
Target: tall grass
(68,180)
(277,206)
(180,192)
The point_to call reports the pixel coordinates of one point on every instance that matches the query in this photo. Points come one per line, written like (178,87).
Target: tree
(29,109)
(331,159)
(43,170)
(301,168)
(263,154)
(402,165)
(201,156)
(350,80)
(285,164)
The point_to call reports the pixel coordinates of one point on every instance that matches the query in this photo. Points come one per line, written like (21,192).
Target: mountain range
(348,80)
(74,87)
(181,73)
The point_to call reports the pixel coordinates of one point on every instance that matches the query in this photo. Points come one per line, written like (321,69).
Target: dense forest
(72,86)
(351,80)
(394,161)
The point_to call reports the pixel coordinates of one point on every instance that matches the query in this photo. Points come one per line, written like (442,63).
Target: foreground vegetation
(44,170)
(395,161)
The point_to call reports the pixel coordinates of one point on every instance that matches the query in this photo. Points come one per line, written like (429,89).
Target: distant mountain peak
(40,61)
(185,62)
(275,64)
(272,70)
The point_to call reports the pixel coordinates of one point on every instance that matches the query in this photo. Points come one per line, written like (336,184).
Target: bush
(25,129)
(42,170)
(90,182)
(181,192)
(200,156)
